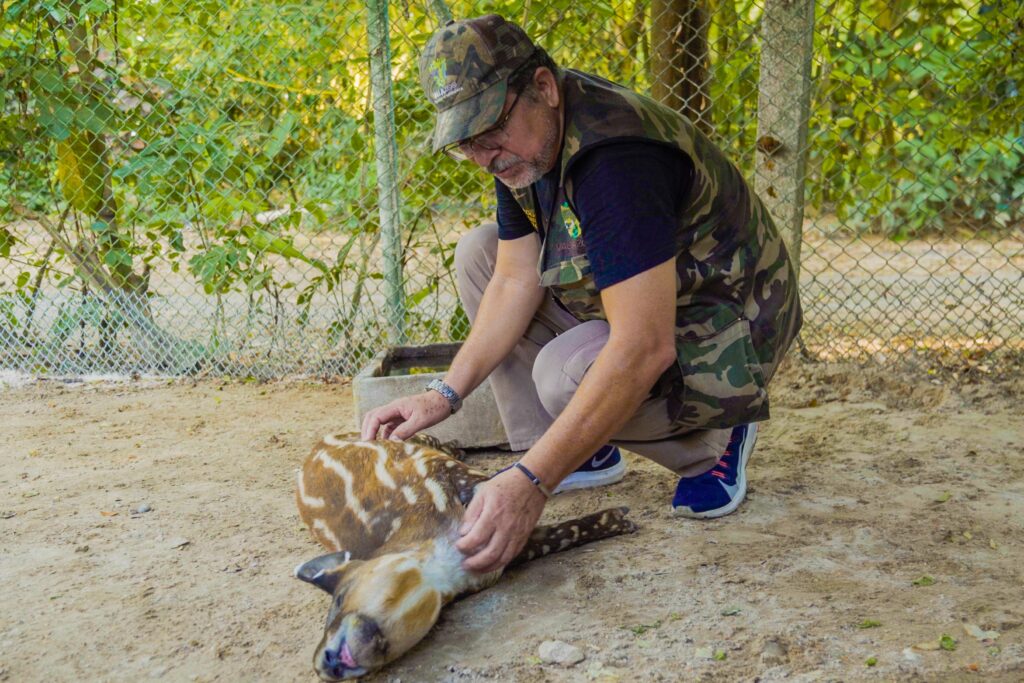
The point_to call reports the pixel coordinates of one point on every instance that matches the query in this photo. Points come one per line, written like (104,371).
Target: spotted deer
(389,512)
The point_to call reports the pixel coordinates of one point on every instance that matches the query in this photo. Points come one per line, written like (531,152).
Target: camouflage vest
(737,307)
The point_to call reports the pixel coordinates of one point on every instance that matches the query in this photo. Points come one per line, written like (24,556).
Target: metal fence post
(783,108)
(441,11)
(386,157)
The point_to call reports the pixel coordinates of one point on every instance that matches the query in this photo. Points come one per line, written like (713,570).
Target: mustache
(499,165)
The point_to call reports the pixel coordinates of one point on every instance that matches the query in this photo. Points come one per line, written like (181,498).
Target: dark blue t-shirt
(626,195)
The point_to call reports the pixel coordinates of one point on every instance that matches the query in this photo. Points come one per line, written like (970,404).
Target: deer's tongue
(346,658)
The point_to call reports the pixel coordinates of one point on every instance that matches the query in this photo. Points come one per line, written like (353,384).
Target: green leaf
(94,7)
(869,623)
(423,293)
(316,211)
(117,257)
(871,661)
(22,280)
(947,642)
(846,122)
(49,80)
(641,629)
(7,240)
(95,116)
(263,241)
(924,581)
(280,134)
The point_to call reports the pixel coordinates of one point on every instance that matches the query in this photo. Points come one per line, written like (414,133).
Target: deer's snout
(354,649)
(338,665)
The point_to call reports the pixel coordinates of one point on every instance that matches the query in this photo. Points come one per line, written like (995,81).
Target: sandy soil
(865,482)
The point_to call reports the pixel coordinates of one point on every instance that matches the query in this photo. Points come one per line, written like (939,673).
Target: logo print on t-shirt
(572,225)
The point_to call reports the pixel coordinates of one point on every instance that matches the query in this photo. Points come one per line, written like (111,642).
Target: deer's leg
(551,539)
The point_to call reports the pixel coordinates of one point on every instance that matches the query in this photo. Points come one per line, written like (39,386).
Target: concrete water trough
(405,370)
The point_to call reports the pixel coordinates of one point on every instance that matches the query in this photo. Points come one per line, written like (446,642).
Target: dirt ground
(884,513)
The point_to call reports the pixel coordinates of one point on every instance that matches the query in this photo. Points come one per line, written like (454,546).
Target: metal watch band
(454,400)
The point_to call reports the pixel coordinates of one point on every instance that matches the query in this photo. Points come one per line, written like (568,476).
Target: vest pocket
(722,384)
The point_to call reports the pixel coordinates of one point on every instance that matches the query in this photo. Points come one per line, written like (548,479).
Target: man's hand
(406,416)
(498,521)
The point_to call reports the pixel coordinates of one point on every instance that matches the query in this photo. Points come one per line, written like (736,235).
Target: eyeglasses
(489,140)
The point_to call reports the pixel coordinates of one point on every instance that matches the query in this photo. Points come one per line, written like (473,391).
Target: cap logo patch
(438,76)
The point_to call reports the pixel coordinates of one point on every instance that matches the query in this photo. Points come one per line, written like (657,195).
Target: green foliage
(916,125)
(163,131)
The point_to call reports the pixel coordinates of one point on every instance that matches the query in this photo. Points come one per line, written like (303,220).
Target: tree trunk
(91,89)
(679,58)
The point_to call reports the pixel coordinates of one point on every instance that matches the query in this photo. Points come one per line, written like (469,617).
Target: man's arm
(641,313)
(508,305)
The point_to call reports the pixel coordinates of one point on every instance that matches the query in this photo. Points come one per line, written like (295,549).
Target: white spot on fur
(351,501)
(307,500)
(409,494)
(450,464)
(396,524)
(334,440)
(417,461)
(328,535)
(381,468)
(437,493)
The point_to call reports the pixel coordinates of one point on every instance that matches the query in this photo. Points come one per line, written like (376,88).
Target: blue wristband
(534,479)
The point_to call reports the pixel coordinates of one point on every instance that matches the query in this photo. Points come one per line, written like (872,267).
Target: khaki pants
(535,383)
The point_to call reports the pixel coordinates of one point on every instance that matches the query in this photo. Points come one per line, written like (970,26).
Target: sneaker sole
(741,482)
(589,480)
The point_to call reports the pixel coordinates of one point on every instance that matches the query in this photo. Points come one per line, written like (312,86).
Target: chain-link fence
(197,187)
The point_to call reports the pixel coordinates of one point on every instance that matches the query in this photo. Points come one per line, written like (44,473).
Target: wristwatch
(454,400)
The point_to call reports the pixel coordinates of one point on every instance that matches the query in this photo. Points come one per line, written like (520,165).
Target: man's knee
(561,364)
(477,248)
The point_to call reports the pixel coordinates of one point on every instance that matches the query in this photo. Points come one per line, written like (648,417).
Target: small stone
(773,653)
(82,549)
(560,653)
(911,656)
(978,633)
(145,507)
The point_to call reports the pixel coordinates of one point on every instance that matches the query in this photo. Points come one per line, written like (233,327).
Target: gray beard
(531,171)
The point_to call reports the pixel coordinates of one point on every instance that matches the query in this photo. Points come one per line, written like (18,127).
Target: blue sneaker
(721,489)
(604,467)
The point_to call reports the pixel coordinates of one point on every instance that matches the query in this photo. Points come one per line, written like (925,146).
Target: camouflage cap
(464,71)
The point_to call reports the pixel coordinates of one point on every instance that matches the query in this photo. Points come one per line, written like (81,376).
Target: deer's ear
(326,571)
